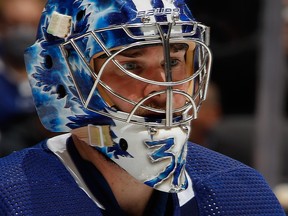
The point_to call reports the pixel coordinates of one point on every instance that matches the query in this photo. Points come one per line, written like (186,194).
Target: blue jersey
(42,181)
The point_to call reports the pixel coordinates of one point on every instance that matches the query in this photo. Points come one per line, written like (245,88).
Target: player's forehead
(141,50)
(174,47)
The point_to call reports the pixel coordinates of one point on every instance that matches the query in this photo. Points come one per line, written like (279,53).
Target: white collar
(58,146)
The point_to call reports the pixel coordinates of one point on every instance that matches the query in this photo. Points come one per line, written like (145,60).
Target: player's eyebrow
(132,53)
(178,47)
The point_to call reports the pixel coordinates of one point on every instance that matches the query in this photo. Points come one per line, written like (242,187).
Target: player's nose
(156,74)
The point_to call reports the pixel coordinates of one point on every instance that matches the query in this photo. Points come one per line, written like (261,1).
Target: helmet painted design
(69,93)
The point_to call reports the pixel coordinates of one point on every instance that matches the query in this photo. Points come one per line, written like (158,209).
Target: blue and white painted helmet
(70,92)
(72,32)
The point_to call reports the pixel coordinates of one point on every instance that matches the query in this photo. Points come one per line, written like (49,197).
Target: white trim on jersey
(58,146)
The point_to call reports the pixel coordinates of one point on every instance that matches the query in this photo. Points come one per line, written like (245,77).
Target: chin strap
(99,136)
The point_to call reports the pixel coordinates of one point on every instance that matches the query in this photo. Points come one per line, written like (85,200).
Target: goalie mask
(135,72)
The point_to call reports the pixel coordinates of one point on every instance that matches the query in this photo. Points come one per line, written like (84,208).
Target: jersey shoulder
(224,186)
(34,181)
(21,164)
(204,162)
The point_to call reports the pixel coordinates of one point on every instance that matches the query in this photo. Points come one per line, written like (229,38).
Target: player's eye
(174,62)
(130,66)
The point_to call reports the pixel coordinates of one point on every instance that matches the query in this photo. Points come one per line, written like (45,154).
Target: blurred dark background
(234,43)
